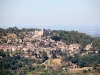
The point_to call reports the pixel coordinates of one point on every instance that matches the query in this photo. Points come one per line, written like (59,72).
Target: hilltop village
(39,40)
(48,52)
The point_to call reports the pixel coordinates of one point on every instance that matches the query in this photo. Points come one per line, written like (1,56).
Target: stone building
(42,32)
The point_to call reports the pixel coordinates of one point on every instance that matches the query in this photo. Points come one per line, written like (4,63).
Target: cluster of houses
(37,42)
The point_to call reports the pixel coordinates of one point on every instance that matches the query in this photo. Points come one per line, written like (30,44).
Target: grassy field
(56,61)
(75,70)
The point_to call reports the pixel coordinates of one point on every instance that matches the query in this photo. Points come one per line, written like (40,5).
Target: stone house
(73,47)
(88,47)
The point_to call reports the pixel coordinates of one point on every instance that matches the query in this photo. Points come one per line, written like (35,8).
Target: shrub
(84,71)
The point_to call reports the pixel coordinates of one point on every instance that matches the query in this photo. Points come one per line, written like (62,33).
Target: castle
(42,32)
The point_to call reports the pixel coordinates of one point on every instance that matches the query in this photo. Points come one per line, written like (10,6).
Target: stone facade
(42,32)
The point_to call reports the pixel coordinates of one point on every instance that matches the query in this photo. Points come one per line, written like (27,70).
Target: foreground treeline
(10,64)
(18,65)
(85,61)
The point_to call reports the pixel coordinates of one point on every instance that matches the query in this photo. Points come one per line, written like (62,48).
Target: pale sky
(53,14)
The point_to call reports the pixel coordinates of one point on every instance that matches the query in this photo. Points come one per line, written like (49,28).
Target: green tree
(95,65)
(44,56)
(53,54)
(98,70)
(56,38)
(30,68)
(21,73)
(25,44)
(84,71)
(2,53)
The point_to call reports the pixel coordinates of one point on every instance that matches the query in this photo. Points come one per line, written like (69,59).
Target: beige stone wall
(43,32)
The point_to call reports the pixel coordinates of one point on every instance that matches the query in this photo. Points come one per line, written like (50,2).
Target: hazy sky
(54,14)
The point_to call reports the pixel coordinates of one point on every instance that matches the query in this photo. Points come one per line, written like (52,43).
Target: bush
(98,70)
(21,73)
(84,71)
(89,70)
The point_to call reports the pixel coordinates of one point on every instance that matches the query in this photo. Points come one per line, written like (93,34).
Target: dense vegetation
(17,62)
(15,30)
(14,63)
(84,61)
(70,37)
(20,65)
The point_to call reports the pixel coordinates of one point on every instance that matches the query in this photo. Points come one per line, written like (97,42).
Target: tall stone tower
(46,32)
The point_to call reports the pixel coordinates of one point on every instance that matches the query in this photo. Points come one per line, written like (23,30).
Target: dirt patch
(51,62)
(75,70)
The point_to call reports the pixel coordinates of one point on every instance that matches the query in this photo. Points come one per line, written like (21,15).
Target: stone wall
(42,32)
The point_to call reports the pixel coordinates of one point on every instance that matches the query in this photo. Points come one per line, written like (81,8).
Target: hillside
(72,37)
(50,52)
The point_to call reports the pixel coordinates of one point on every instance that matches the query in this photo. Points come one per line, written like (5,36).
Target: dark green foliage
(15,30)
(5,72)
(74,60)
(33,41)
(13,67)
(41,44)
(56,53)
(56,38)
(53,54)
(67,58)
(98,70)
(96,43)
(84,71)
(2,32)
(9,62)
(2,53)
(89,70)
(44,56)
(19,64)
(28,50)
(3,41)
(21,73)
(72,37)
(85,61)
(95,64)
(24,71)
(15,62)
(30,68)
(25,44)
